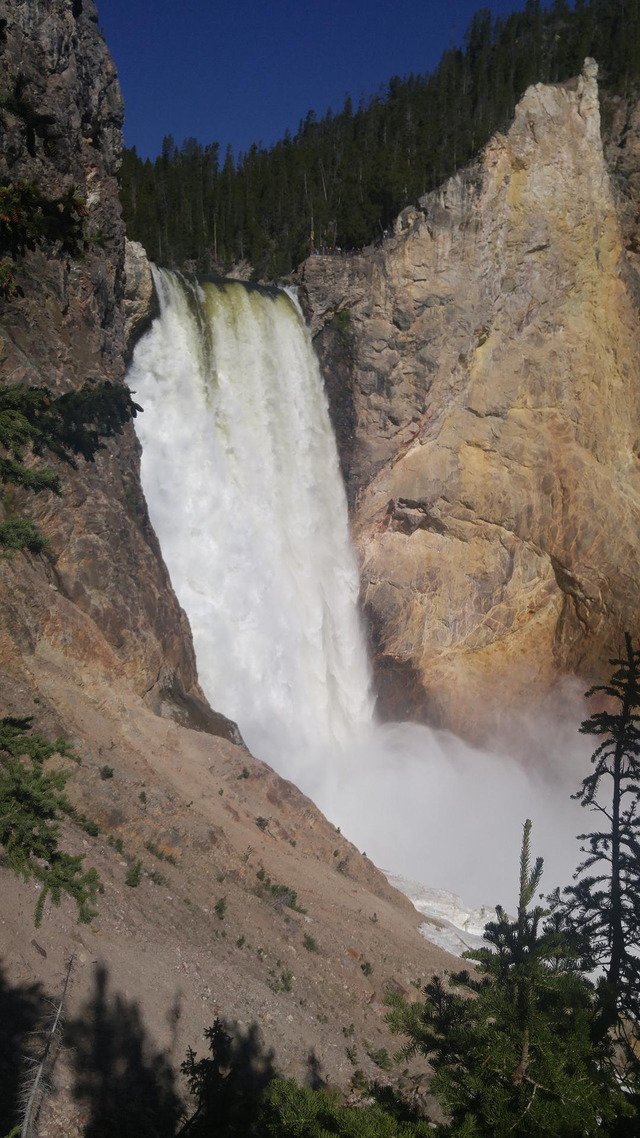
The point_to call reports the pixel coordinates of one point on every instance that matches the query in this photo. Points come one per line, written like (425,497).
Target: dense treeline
(341,180)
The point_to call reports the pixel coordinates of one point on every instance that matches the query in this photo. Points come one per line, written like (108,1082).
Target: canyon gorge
(481,366)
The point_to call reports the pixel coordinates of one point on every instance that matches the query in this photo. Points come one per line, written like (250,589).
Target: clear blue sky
(244,71)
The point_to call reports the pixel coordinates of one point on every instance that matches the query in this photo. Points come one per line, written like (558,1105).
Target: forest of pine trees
(340,180)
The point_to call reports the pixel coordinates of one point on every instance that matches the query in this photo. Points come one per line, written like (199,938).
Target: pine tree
(32,801)
(603,907)
(512,1047)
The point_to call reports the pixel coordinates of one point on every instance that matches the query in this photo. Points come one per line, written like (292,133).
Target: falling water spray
(240,472)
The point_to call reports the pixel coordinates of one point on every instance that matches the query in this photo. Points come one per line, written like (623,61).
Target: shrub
(133,875)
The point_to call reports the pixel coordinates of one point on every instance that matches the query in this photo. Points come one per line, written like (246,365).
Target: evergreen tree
(33,420)
(346,176)
(512,1048)
(32,801)
(603,907)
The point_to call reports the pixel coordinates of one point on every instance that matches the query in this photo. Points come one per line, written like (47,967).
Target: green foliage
(154,849)
(33,420)
(279,894)
(32,800)
(20,533)
(516,1049)
(262,823)
(340,180)
(27,218)
(281,982)
(380,1056)
(291,1111)
(310,943)
(106,772)
(133,874)
(603,907)
(220,908)
(366,967)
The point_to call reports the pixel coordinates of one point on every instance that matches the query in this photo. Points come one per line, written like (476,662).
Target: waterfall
(240,471)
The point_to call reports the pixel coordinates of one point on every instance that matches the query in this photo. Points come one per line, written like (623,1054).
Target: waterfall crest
(241,476)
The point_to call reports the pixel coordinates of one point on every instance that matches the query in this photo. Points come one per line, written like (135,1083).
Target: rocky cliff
(101,594)
(490,418)
(94,645)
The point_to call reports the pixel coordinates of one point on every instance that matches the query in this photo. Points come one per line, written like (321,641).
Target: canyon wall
(94,645)
(483,369)
(100,596)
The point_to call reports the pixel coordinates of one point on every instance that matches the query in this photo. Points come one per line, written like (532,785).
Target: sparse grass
(310,943)
(241,941)
(366,967)
(116,843)
(220,908)
(352,1054)
(245,773)
(157,878)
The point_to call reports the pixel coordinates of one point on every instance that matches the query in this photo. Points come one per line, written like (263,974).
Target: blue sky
(244,71)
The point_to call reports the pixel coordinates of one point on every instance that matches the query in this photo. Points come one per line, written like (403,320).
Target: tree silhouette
(127,1085)
(603,907)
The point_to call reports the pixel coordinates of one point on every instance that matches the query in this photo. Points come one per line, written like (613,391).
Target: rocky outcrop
(495,462)
(101,592)
(139,302)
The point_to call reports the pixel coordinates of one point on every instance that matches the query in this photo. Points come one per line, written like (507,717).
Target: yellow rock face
(496,468)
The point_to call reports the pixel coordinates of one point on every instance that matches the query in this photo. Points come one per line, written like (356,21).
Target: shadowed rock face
(101,593)
(495,388)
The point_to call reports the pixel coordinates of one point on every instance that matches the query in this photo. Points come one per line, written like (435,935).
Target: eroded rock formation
(101,594)
(491,428)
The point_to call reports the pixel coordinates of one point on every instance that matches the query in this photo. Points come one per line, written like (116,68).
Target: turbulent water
(240,471)
(241,476)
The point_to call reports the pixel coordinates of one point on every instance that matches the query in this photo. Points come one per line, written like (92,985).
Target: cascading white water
(241,476)
(240,471)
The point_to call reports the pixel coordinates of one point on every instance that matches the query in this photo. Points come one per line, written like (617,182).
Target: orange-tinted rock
(495,389)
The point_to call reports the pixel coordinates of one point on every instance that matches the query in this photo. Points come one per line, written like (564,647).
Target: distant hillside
(341,180)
